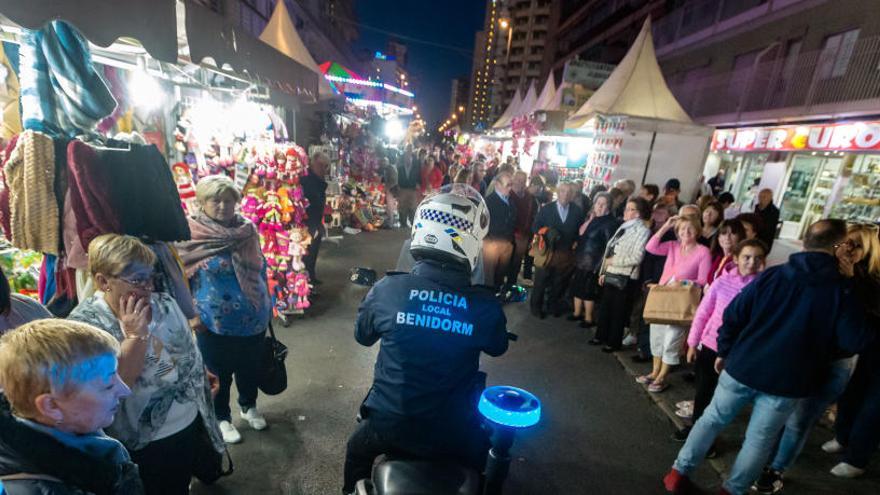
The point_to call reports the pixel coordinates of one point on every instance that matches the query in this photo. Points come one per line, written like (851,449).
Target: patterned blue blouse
(223,306)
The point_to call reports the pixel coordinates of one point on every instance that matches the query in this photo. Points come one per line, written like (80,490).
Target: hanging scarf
(210,239)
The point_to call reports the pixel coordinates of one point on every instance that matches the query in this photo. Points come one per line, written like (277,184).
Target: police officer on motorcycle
(433,326)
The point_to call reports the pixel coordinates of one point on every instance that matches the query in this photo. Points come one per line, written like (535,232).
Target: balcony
(700,19)
(775,88)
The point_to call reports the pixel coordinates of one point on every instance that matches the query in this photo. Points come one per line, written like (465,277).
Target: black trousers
(551,283)
(706,380)
(858,412)
(614,313)
(311,257)
(166,465)
(465,442)
(233,357)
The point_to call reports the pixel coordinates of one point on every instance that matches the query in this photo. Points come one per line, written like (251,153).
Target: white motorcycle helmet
(450,225)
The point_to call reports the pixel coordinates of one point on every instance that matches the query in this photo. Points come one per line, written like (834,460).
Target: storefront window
(860,200)
(794,202)
(751,169)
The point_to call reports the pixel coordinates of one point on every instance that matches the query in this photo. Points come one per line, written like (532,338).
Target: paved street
(600,434)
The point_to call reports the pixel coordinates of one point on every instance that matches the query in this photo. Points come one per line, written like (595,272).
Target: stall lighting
(145,91)
(394,130)
(372,84)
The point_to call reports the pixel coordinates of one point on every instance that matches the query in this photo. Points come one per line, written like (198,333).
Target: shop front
(818,170)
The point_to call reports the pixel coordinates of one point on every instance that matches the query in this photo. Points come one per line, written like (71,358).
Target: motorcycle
(505,409)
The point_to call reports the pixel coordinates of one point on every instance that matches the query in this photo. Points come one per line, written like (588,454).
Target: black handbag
(208,463)
(617,281)
(273,372)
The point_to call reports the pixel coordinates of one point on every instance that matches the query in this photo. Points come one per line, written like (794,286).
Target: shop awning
(507,115)
(549,97)
(210,36)
(635,88)
(281,35)
(151,22)
(528,104)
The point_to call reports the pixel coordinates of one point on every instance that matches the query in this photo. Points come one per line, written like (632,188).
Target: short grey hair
(213,186)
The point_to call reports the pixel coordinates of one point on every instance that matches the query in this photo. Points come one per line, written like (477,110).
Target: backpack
(543,243)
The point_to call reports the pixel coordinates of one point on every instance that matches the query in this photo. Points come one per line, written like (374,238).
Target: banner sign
(850,136)
(591,75)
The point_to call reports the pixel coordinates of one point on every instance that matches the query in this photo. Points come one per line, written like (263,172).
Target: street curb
(666,407)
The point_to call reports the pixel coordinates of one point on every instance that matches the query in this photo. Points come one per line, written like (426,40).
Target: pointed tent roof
(281,35)
(507,115)
(548,95)
(528,102)
(636,88)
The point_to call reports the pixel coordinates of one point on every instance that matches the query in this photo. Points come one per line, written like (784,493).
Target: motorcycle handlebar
(512,336)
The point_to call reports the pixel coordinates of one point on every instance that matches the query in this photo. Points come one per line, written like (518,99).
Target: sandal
(657,387)
(645,379)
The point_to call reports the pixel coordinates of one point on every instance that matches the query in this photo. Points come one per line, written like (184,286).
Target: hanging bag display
(672,304)
(273,372)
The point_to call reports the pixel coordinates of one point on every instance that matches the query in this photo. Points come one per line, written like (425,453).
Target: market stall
(640,131)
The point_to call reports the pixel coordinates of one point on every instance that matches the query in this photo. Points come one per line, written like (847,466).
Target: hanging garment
(4,193)
(30,175)
(61,92)
(126,189)
(10,123)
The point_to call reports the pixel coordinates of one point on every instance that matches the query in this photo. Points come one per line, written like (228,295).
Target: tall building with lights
(479,108)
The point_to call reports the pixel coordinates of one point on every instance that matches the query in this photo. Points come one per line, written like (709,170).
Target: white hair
(213,186)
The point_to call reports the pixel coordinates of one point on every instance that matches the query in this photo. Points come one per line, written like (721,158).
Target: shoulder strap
(29,476)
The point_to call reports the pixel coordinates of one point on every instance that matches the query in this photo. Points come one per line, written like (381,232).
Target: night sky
(451,22)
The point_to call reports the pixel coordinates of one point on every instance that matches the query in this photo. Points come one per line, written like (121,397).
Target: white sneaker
(230,434)
(254,418)
(832,446)
(844,470)
(629,340)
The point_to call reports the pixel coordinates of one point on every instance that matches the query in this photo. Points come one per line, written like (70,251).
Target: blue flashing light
(510,406)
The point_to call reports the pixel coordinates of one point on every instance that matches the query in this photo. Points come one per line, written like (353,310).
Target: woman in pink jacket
(687,262)
(749,256)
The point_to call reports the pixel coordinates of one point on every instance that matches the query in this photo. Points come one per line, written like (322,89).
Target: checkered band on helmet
(445,218)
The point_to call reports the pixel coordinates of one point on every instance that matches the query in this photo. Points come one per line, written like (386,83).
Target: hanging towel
(61,92)
(30,173)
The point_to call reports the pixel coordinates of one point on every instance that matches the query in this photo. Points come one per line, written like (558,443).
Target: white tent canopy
(635,88)
(507,115)
(548,99)
(281,35)
(528,102)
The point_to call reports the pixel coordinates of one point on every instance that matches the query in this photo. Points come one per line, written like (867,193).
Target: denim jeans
(768,417)
(808,412)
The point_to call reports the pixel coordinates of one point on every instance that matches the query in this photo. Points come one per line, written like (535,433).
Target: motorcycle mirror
(363,276)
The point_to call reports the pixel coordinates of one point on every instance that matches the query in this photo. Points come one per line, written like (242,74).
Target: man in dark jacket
(433,326)
(565,218)
(777,340)
(769,214)
(315,190)
(409,178)
(526,209)
(498,244)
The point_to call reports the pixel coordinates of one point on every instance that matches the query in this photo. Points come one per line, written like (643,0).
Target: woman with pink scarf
(227,275)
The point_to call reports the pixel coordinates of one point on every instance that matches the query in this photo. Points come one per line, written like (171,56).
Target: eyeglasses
(143,282)
(849,244)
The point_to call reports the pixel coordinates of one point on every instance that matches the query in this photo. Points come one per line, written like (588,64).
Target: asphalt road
(600,434)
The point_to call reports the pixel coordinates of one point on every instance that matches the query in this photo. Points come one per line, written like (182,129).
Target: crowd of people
(790,340)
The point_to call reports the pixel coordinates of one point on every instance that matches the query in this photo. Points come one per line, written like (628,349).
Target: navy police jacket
(433,325)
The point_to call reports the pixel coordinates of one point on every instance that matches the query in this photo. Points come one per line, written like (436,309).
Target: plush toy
(301,289)
(270,222)
(298,247)
(250,206)
(185,188)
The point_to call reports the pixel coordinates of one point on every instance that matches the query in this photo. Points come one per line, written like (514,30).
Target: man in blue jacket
(433,325)
(778,338)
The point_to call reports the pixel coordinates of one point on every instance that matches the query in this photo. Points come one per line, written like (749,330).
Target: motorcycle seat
(407,477)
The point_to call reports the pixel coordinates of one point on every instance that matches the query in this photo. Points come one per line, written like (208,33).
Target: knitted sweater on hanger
(30,174)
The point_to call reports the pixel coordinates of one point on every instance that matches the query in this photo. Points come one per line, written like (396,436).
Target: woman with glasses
(227,274)
(169,409)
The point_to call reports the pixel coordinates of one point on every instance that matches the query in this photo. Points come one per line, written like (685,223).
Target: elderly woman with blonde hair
(227,274)
(60,389)
(165,421)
